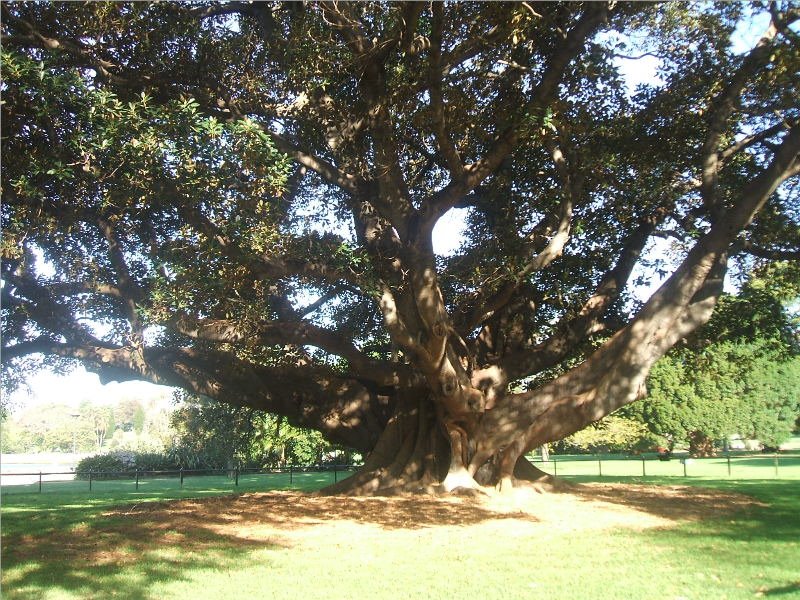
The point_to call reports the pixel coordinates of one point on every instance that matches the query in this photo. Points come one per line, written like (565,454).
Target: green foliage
(611,434)
(124,463)
(148,213)
(764,311)
(51,427)
(210,434)
(738,374)
(139,419)
(103,466)
(727,388)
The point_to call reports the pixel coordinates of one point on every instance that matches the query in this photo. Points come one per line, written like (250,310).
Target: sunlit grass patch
(606,541)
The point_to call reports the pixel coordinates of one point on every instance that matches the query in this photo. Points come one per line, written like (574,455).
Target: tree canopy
(239,199)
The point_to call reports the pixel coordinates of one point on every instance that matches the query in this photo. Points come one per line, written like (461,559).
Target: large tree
(239,199)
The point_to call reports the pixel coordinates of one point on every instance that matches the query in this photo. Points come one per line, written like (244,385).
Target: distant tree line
(58,427)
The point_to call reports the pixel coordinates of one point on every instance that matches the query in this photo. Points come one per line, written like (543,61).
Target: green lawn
(62,545)
(161,487)
(748,466)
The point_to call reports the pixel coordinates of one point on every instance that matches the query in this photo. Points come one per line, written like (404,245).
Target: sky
(46,387)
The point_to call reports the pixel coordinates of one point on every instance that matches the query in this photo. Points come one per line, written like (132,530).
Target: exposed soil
(290,518)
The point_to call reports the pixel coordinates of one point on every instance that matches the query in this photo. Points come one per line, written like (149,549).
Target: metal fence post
(181,476)
(776,464)
(644,471)
(599,466)
(290,474)
(729,465)
(236,476)
(90,481)
(137,479)
(40,482)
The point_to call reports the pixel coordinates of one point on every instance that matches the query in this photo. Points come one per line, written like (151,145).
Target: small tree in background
(614,433)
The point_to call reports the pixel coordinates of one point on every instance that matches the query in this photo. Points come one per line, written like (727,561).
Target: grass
(71,545)
(751,466)
(155,487)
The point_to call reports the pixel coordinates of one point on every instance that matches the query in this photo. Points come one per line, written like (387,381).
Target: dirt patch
(285,519)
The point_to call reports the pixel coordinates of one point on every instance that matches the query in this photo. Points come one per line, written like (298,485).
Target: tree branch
(299,333)
(543,94)
(441,131)
(575,327)
(755,138)
(130,291)
(722,107)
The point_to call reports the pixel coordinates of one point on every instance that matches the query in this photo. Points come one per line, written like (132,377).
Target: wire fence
(743,466)
(746,466)
(154,480)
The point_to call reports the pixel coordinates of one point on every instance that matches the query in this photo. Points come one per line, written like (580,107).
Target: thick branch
(297,333)
(343,410)
(131,292)
(574,328)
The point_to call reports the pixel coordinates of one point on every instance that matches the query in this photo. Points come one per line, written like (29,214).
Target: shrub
(102,466)
(154,461)
(611,434)
(121,464)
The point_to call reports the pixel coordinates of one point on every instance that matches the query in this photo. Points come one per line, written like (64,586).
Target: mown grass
(749,466)
(63,504)
(161,486)
(72,545)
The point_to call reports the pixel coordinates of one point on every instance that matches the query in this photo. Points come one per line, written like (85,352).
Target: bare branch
(445,144)
(723,106)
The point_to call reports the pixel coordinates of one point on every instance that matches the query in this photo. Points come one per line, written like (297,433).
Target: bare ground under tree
(289,519)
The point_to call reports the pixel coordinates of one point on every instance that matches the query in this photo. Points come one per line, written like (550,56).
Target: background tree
(613,433)
(51,427)
(239,200)
(738,374)
(99,419)
(215,435)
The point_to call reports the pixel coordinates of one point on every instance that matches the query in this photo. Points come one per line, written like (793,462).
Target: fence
(744,466)
(90,480)
(747,466)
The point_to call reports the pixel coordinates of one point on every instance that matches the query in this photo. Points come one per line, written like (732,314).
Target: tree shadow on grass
(126,550)
(736,510)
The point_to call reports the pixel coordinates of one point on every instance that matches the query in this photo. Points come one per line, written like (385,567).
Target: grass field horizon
(616,537)
(742,465)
